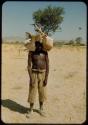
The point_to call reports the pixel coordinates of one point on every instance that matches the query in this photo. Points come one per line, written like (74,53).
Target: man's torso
(38,60)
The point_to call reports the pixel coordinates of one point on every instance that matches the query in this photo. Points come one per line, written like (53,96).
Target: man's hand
(45,82)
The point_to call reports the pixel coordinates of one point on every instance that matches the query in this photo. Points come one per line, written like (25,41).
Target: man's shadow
(15,106)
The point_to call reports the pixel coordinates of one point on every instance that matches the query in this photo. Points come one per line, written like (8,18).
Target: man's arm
(47,69)
(29,63)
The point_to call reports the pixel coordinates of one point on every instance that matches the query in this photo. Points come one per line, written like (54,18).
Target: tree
(71,42)
(49,18)
(78,40)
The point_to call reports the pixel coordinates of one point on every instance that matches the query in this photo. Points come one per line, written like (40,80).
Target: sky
(17,17)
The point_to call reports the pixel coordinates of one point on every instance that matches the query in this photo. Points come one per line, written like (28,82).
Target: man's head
(38,46)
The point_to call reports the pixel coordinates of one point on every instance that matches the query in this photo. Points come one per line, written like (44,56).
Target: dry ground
(66,89)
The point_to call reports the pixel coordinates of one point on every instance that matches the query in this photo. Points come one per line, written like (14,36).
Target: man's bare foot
(42,113)
(29,113)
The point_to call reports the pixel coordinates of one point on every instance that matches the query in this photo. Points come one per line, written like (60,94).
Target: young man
(38,69)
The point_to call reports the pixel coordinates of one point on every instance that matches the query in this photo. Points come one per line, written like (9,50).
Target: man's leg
(31,107)
(42,95)
(32,92)
(41,111)
(41,105)
(30,111)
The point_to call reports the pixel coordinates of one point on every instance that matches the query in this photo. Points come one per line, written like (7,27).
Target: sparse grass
(59,45)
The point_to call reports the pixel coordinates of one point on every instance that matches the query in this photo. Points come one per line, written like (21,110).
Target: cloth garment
(36,83)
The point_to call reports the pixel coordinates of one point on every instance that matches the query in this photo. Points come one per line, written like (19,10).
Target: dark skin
(38,60)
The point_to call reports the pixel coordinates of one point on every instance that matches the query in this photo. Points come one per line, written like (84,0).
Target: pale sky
(17,17)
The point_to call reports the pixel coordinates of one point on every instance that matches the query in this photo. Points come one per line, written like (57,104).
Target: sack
(47,43)
(38,37)
(35,38)
(29,44)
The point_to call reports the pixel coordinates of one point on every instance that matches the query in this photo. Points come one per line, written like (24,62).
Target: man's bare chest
(39,56)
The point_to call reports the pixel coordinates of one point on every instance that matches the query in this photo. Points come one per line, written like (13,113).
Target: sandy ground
(66,89)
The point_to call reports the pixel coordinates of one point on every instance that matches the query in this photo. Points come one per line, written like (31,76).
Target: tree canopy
(49,18)
(78,40)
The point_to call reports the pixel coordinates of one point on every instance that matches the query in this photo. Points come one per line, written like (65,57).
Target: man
(38,69)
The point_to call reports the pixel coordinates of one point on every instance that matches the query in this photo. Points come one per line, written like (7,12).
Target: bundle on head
(46,40)
(42,37)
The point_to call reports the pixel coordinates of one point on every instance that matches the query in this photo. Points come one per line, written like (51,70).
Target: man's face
(38,46)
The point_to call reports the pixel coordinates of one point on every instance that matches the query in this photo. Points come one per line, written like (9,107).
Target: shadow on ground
(12,105)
